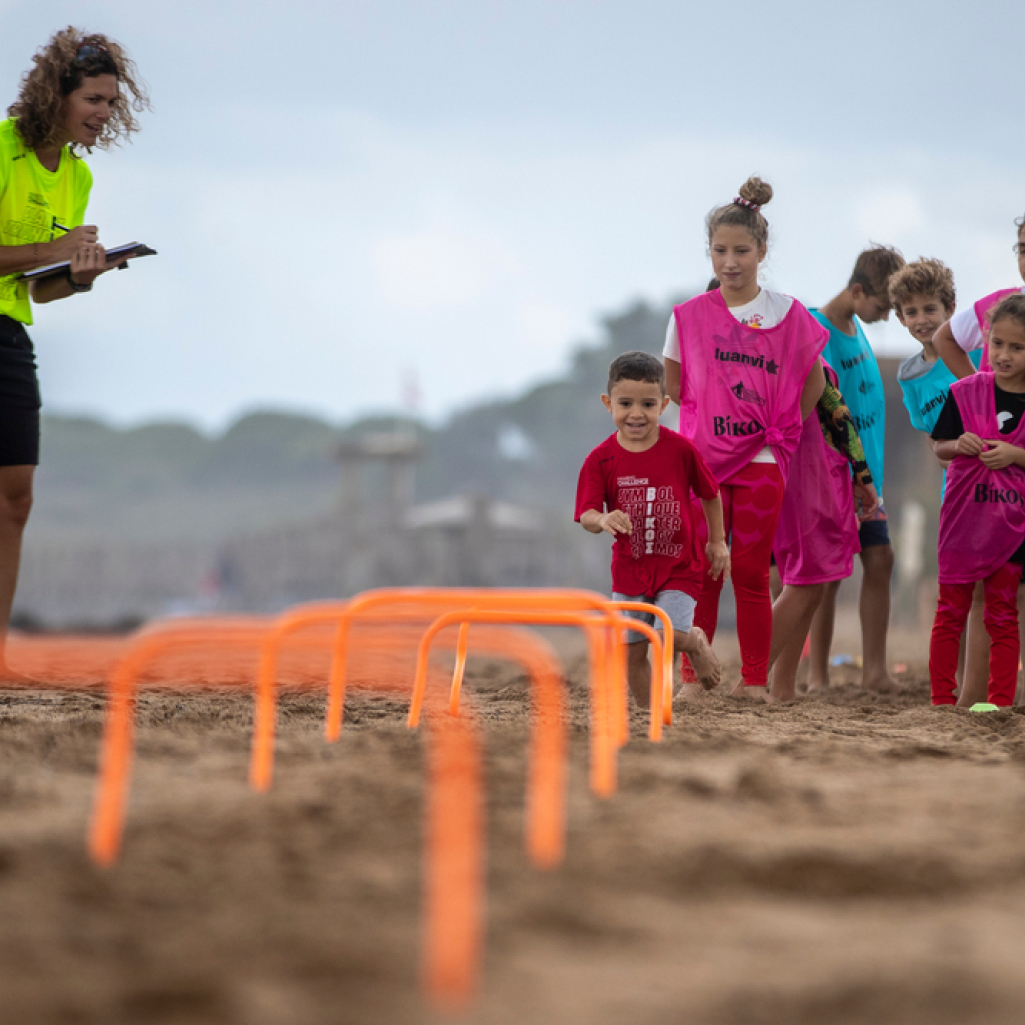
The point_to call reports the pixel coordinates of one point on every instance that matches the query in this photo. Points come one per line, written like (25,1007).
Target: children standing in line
(743,364)
(817,534)
(865,299)
(981,429)
(965,332)
(636,485)
(923,297)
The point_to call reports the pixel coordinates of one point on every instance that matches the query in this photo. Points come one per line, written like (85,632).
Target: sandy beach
(849,858)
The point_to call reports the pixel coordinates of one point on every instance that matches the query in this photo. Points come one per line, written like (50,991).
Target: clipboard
(133,249)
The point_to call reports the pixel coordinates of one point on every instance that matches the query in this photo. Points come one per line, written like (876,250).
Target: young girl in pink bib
(742,362)
(982,520)
(817,534)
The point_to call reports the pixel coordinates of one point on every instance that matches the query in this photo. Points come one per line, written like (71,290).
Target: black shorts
(876,531)
(19,396)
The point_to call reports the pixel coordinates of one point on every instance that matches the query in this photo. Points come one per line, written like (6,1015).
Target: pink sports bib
(817,535)
(740,387)
(982,519)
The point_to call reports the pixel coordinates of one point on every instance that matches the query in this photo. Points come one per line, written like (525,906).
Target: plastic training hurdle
(453,856)
(609,718)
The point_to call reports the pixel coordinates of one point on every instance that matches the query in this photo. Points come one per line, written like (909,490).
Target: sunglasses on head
(89,50)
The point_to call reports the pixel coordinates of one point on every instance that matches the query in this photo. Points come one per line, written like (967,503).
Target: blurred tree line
(170,480)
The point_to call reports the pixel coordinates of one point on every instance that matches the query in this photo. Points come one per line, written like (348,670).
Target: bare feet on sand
(778,692)
(703,659)
(745,693)
(690,692)
(884,684)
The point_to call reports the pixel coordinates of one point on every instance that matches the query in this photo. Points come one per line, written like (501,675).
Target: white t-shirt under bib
(766,309)
(964,326)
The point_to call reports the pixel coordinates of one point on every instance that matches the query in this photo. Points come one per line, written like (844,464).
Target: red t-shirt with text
(654,489)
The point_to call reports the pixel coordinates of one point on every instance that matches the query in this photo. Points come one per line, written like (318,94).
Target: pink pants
(751,501)
(1001,618)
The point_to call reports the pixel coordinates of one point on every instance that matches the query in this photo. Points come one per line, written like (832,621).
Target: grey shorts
(678,605)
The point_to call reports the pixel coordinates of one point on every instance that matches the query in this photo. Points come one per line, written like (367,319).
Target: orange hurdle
(546,786)
(456,597)
(658,689)
(603,739)
(119,728)
(668,642)
(453,891)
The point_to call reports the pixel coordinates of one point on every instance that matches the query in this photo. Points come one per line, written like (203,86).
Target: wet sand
(849,858)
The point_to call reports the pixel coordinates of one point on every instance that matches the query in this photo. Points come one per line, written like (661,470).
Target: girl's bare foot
(780,692)
(690,692)
(745,693)
(703,659)
(884,684)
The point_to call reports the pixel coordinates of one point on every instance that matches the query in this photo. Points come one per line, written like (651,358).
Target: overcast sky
(349,194)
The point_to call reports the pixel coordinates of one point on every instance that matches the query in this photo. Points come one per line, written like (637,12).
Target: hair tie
(741,201)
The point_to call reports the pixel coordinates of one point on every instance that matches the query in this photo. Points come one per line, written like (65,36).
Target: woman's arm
(87,264)
(951,353)
(672,378)
(814,385)
(16,259)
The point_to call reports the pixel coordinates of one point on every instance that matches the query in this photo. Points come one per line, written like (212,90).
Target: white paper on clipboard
(134,249)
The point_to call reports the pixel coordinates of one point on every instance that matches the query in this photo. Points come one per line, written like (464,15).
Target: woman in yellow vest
(80,93)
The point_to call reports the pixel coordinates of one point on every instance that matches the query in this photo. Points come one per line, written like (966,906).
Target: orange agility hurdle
(603,739)
(453,891)
(118,733)
(668,653)
(422,599)
(546,786)
(655,727)
(454,833)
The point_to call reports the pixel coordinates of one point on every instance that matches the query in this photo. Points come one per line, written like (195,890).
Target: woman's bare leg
(15,505)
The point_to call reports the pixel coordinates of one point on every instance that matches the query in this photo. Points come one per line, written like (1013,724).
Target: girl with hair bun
(743,364)
(80,93)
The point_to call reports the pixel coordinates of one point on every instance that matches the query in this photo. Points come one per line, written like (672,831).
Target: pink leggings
(751,501)
(1001,618)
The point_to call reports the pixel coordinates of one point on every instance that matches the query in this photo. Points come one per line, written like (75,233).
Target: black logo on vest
(755,360)
(850,364)
(865,423)
(746,394)
(936,400)
(1006,495)
(730,428)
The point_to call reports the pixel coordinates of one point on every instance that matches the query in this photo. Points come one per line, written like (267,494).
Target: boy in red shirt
(643,475)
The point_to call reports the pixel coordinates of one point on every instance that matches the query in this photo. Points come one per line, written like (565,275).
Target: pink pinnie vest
(740,386)
(982,519)
(982,308)
(817,535)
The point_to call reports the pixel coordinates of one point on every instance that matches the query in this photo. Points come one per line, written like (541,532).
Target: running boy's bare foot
(706,665)
(816,687)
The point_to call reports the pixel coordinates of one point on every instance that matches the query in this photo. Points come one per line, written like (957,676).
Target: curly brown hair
(923,277)
(58,70)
